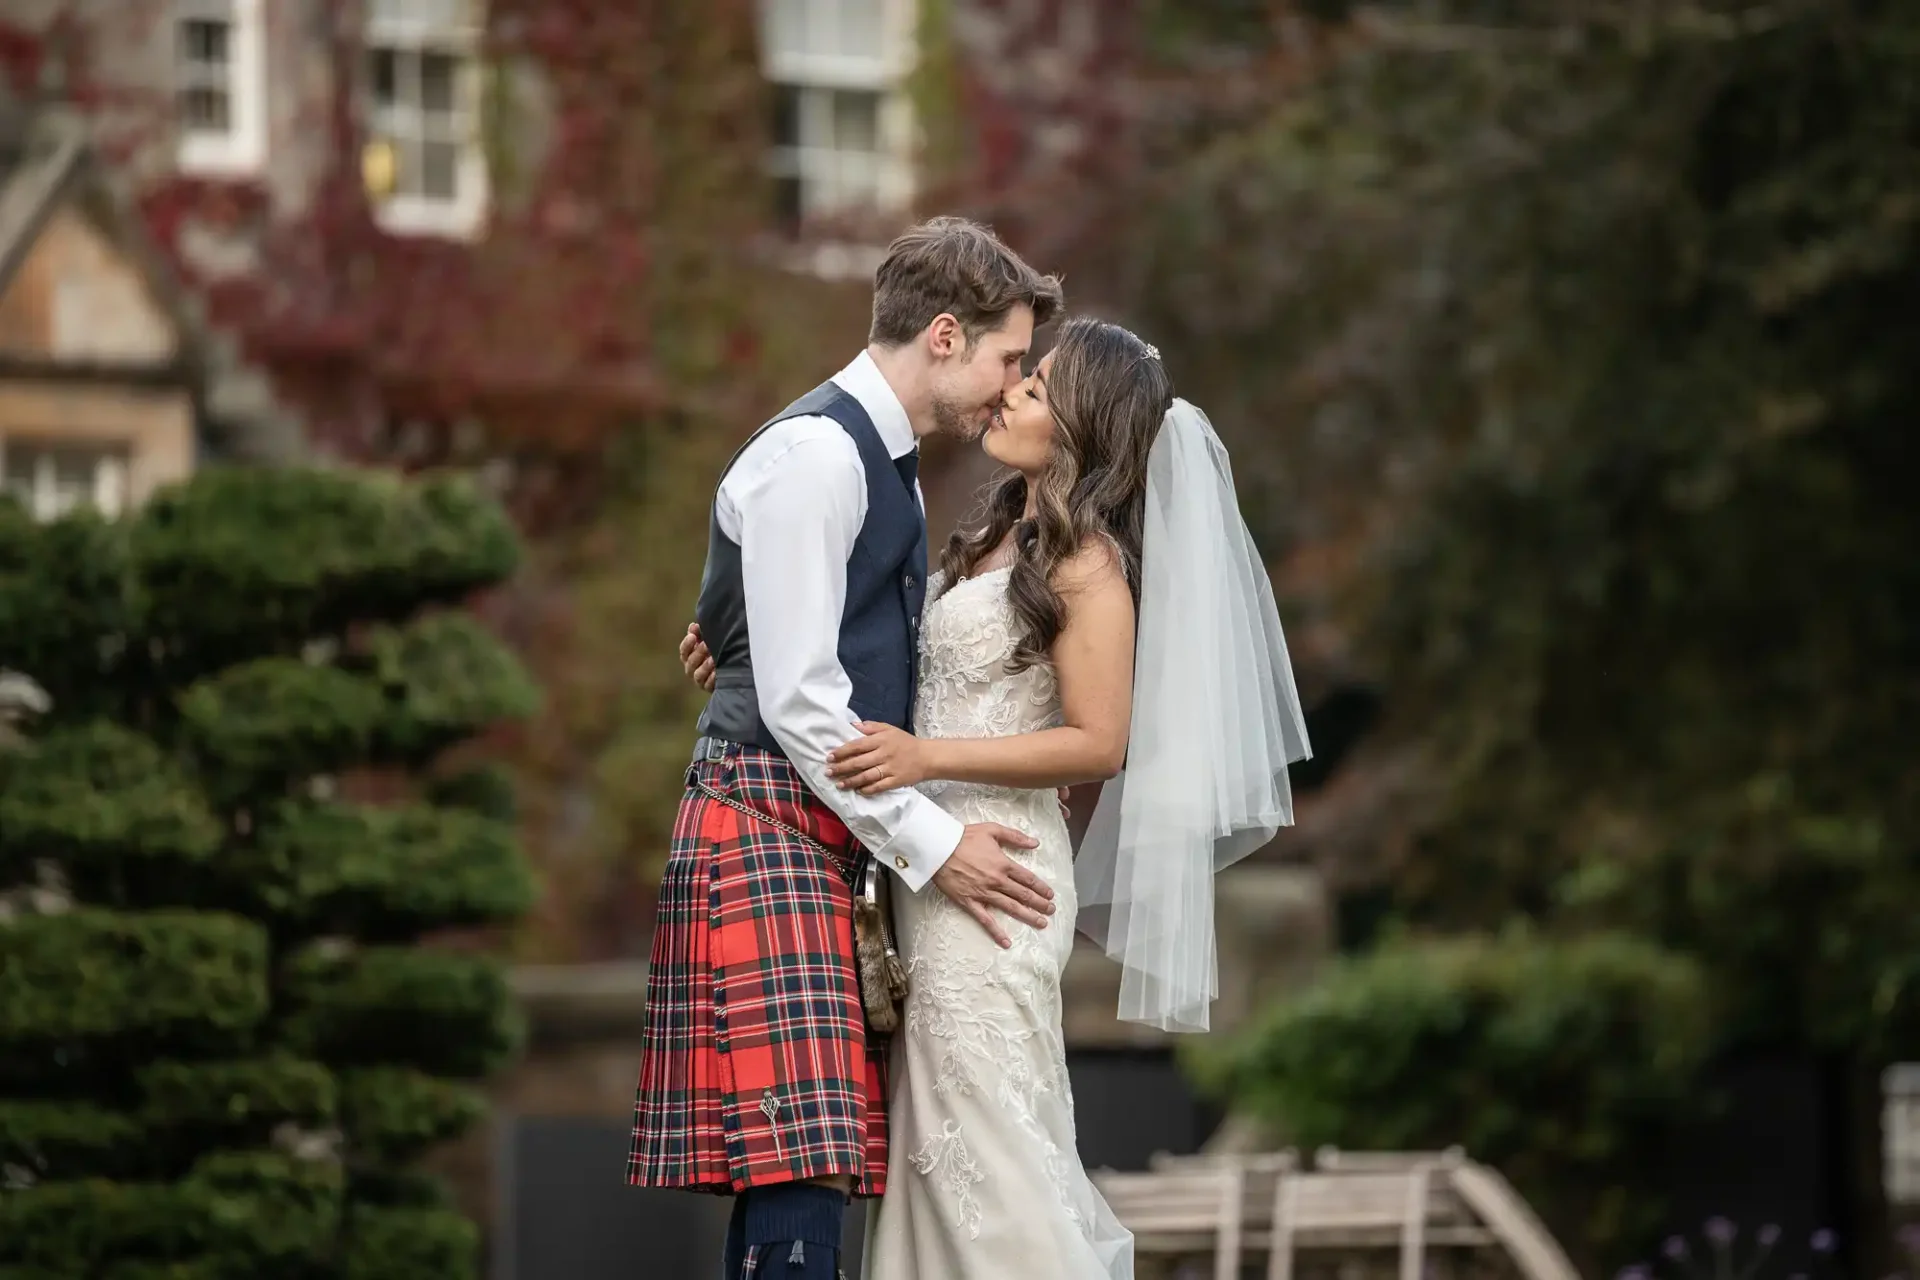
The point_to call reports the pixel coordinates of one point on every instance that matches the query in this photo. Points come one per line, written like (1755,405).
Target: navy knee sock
(735,1256)
(793,1231)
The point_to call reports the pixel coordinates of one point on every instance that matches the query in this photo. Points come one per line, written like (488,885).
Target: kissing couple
(1104,616)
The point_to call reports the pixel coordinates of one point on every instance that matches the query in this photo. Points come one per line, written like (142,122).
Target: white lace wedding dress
(985,1182)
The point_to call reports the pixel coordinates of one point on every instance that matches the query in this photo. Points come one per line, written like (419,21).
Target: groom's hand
(982,879)
(694,658)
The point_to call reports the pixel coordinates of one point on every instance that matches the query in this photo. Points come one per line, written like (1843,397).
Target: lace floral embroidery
(986,1116)
(998,1046)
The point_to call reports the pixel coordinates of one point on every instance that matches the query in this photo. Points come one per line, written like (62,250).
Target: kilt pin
(756,1065)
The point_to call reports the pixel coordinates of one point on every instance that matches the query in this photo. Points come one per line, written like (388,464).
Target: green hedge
(279,719)
(121,819)
(1560,1062)
(385,873)
(88,983)
(277,1214)
(65,1139)
(214,935)
(76,1227)
(236,1214)
(398,1189)
(183,1109)
(235,1103)
(410,1244)
(241,564)
(66,608)
(392,1114)
(449,678)
(452,1015)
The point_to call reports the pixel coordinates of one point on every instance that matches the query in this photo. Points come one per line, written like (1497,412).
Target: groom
(758,1077)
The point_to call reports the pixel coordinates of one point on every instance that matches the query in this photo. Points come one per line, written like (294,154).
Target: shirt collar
(864,382)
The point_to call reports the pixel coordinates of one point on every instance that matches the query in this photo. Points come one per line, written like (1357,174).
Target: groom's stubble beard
(950,419)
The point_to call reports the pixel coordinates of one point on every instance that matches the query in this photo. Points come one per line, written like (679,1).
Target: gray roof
(45,158)
(40,154)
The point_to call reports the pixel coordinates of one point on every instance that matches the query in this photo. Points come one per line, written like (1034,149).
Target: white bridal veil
(1216,721)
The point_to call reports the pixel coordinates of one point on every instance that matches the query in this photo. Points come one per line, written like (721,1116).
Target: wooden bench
(1260,1174)
(1414,1202)
(1451,1222)
(1181,1212)
(1352,1210)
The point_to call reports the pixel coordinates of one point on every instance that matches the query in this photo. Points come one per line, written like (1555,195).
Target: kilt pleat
(756,1066)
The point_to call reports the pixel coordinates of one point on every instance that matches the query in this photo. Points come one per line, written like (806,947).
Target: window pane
(786,116)
(205,111)
(204,42)
(856,121)
(440,165)
(386,77)
(436,83)
(51,480)
(408,180)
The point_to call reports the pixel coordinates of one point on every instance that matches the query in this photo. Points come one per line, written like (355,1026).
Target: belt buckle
(716,750)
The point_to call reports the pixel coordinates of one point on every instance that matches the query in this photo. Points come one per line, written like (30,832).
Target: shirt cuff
(921,845)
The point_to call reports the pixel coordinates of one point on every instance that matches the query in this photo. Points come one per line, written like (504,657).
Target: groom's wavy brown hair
(957,267)
(1109,394)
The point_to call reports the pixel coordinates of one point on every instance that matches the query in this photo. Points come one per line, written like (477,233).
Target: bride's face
(1021,433)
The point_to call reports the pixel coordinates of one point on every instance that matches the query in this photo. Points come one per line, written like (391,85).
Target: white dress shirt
(795,501)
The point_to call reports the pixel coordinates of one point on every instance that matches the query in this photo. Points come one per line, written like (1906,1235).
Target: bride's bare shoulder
(1097,566)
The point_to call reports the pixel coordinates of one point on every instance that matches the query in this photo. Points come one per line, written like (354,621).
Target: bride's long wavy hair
(1109,393)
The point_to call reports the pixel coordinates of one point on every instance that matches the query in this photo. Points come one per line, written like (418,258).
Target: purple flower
(1823,1241)
(1675,1248)
(1721,1231)
(1769,1235)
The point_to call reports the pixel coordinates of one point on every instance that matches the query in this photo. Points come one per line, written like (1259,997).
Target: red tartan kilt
(756,1067)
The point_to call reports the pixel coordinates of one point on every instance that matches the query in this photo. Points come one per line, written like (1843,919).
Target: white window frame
(464,215)
(243,148)
(112,494)
(885,73)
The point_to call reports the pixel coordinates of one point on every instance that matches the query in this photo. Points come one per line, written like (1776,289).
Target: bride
(1108,609)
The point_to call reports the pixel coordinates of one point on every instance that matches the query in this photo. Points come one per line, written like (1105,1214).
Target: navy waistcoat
(879,638)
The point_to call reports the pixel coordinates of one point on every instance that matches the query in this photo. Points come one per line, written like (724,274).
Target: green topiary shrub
(1562,1062)
(222,1038)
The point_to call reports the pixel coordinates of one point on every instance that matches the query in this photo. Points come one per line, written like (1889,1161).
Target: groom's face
(972,380)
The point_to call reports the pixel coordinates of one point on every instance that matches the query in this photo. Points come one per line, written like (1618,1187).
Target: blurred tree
(733,334)
(1587,325)
(221,1044)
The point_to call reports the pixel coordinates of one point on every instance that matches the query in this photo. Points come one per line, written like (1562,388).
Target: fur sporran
(883,975)
(876,962)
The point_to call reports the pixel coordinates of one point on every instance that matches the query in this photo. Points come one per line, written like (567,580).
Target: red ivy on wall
(542,328)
